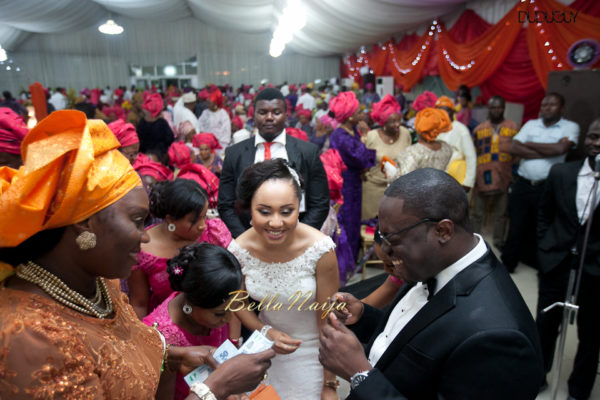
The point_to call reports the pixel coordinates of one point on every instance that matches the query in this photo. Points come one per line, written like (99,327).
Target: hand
(363,128)
(284,343)
(193,356)
(353,310)
(329,393)
(239,374)
(340,351)
(389,170)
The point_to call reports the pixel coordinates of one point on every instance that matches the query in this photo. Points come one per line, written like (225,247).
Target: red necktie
(267,150)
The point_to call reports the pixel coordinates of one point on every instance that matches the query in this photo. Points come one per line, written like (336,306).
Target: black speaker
(580,89)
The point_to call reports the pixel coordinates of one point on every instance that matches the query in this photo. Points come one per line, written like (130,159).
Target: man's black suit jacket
(475,339)
(302,155)
(558,223)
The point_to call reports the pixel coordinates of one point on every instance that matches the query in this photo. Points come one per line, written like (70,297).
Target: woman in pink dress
(182,205)
(202,276)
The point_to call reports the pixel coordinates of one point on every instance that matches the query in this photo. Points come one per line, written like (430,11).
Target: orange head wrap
(344,105)
(430,122)
(445,101)
(153,103)
(72,169)
(384,109)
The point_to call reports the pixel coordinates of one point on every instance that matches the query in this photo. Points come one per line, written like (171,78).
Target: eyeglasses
(386,238)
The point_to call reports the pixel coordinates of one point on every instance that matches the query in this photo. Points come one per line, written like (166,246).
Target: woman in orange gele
(72,223)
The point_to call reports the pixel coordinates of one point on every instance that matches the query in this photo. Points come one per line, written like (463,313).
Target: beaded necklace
(60,292)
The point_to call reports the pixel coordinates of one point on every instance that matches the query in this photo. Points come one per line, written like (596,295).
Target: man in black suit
(562,219)
(458,328)
(272,142)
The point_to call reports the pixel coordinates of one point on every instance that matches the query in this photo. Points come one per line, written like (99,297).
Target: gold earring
(86,240)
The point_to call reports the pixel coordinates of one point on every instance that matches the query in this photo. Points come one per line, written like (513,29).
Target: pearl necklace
(60,292)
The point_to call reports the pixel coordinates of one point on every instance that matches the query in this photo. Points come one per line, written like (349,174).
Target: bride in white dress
(281,256)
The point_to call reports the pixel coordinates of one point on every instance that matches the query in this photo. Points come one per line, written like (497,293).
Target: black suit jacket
(475,339)
(558,224)
(302,155)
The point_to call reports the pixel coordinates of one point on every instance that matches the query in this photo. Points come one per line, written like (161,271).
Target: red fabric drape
(549,40)
(589,7)
(516,80)
(504,59)
(407,65)
(471,63)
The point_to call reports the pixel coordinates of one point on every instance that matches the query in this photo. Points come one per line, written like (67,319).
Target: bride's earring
(171,227)
(187,309)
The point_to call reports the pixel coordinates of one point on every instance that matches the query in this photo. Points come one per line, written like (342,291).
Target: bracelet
(202,391)
(334,384)
(264,330)
(165,346)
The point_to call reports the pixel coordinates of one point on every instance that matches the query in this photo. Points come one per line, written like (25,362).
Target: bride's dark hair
(257,174)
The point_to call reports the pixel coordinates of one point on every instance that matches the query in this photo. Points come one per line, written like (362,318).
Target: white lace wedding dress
(299,375)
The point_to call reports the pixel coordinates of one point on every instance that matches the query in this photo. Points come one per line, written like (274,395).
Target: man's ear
(444,230)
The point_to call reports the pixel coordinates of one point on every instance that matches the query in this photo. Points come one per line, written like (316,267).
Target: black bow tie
(431,284)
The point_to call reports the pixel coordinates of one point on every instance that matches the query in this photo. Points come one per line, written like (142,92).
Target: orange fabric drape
(378,58)
(407,65)
(474,62)
(549,40)
(38,98)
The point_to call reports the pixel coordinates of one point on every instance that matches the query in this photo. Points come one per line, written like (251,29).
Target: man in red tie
(272,142)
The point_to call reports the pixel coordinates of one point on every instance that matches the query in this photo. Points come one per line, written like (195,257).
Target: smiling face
(413,253)
(392,124)
(119,230)
(591,143)
(191,226)
(275,209)
(269,118)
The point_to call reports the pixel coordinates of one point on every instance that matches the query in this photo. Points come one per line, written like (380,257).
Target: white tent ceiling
(333,26)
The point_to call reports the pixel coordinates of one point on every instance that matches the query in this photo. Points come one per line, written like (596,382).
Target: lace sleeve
(44,364)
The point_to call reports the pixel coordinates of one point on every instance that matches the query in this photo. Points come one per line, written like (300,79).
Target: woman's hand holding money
(284,344)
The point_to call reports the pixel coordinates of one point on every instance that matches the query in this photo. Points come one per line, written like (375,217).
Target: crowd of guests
(179,198)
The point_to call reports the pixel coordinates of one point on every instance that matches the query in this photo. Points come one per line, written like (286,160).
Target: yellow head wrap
(72,169)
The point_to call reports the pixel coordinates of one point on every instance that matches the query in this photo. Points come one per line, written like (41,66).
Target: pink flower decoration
(178,270)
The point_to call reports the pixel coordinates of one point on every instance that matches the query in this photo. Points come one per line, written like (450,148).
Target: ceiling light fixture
(3,56)
(110,27)
(292,20)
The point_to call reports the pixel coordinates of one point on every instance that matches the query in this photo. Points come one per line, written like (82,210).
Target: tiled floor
(526,280)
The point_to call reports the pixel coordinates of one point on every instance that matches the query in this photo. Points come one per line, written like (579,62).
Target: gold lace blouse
(48,351)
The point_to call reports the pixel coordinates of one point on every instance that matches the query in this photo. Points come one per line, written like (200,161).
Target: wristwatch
(202,391)
(358,378)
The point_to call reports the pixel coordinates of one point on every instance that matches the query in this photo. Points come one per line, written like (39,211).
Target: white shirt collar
(585,168)
(278,139)
(446,275)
